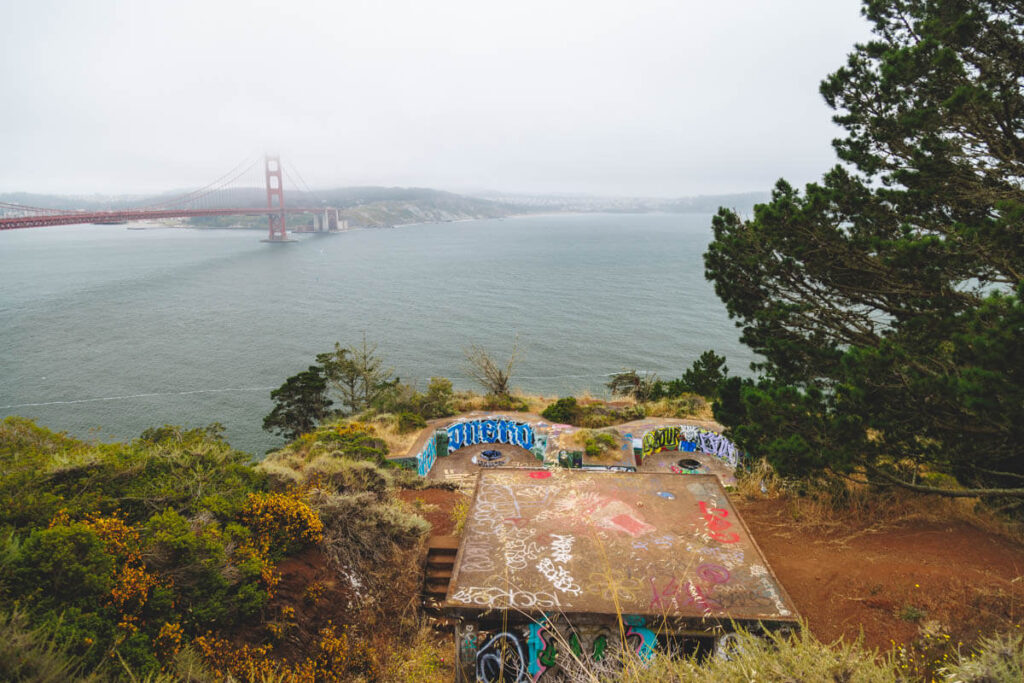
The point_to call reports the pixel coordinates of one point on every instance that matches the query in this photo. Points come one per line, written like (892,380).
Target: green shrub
(596,443)
(703,378)
(67,565)
(194,552)
(563,411)
(410,422)
(439,399)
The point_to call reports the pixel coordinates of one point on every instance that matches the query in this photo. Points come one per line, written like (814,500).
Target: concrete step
(439,573)
(443,543)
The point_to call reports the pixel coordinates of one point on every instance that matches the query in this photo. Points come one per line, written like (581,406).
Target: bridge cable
(207,189)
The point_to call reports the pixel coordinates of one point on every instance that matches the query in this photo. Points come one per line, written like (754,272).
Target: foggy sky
(631,97)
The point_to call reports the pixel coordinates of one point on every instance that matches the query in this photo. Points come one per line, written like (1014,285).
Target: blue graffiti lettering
(490,431)
(462,434)
(425,459)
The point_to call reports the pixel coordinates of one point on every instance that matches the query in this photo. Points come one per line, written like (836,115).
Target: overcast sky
(632,97)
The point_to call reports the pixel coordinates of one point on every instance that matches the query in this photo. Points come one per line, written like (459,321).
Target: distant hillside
(361,206)
(743,202)
(389,206)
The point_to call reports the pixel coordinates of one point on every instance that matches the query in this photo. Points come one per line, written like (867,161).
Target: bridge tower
(275,199)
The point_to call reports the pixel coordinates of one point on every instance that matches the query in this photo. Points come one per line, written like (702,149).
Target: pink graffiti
(665,593)
(630,524)
(717,523)
(539,474)
(711,575)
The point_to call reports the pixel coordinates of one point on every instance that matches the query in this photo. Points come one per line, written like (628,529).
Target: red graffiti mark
(665,593)
(630,524)
(539,474)
(516,521)
(675,469)
(717,523)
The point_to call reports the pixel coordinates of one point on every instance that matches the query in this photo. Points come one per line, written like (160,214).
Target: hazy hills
(389,206)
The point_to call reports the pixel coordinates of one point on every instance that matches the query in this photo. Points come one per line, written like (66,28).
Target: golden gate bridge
(213,199)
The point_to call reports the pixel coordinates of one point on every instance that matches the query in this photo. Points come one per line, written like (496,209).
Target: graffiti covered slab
(655,545)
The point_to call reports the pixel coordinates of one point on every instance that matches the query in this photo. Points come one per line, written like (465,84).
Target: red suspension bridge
(213,199)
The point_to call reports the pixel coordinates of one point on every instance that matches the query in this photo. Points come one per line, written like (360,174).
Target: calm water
(105,331)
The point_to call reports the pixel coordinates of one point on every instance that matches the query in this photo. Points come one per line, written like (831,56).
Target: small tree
(705,375)
(437,402)
(631,383)
(356,374)
(493,376)
(299,404)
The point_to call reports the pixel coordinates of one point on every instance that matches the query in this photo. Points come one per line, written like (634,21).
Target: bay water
(105,331)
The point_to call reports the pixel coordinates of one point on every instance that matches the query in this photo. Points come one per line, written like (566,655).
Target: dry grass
(470,401)
(459,513)
(685,406)
(756,658)
(386,426)
(427,658)
(848,505)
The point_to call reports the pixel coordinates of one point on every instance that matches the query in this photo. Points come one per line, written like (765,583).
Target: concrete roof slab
(592,543)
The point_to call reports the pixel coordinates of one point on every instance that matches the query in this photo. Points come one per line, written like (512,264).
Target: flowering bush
(280,523)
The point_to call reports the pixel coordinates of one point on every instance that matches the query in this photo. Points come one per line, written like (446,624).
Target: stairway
(440,563)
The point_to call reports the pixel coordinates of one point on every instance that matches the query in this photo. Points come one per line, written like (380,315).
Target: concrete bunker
(559,566)
(480,431)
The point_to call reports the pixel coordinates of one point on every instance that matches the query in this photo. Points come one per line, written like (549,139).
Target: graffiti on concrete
(499,430)
(549,649)
(716,521)
(661,439)
(688,438)
(425,459)
(496,596)
(717,445)
(642,641)
(501,659)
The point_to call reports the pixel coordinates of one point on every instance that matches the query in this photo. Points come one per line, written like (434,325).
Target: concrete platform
(657,546)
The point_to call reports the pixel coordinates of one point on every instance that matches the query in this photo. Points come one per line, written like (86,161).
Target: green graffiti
(600,643)
(574,645)
(547,656)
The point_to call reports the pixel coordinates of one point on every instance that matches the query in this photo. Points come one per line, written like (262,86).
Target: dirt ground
(891,582)
(435,506)
(895,581)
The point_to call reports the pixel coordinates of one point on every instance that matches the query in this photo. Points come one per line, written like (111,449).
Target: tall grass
(33,654)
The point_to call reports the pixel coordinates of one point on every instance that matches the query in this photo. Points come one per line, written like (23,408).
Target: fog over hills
(388,206)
